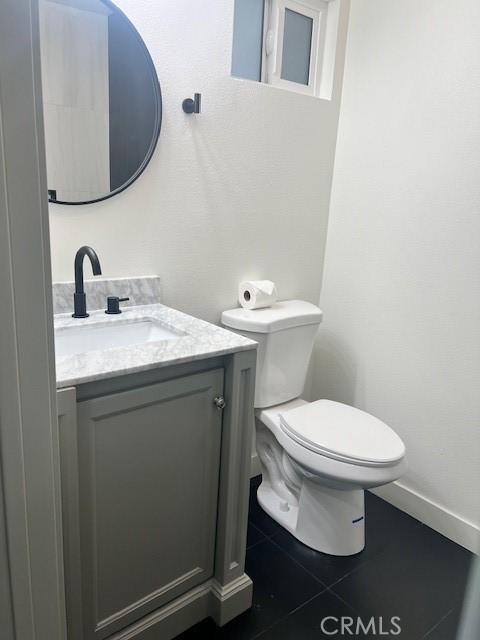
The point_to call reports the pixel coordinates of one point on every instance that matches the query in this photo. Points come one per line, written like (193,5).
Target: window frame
(272,50)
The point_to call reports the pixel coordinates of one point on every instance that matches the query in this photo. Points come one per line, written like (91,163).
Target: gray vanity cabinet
(154,488)
(148,473)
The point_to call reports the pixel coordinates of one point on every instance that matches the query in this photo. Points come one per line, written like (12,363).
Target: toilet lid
(342,432)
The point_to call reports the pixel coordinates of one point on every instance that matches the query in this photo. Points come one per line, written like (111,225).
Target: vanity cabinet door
(148,469)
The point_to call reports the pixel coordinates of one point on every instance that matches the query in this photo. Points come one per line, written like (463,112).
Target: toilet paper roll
(257,294)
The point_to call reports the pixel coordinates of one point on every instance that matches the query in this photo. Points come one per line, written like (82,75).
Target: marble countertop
(201,340)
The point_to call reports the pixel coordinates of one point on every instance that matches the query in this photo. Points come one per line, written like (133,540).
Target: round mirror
(101,100)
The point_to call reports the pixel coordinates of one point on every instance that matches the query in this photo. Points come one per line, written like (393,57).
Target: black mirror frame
(157,124)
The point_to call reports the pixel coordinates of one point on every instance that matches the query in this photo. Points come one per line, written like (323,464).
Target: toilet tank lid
(281,315)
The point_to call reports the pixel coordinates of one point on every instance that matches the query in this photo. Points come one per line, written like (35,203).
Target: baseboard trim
(449,524)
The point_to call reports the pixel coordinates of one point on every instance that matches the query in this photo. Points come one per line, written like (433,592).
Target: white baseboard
(449,524)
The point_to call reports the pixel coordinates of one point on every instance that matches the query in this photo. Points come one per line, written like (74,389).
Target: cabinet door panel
(148,482)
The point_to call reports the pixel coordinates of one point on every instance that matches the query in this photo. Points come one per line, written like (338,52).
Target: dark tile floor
(407,570)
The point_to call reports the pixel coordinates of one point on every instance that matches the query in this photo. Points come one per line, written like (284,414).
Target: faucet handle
(113,304)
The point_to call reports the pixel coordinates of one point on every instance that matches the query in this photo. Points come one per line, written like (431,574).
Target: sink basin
(70,341)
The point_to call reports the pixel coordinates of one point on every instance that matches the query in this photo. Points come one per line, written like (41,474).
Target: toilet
(317,458)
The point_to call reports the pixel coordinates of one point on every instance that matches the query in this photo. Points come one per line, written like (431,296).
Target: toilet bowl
(317,458)
(317,492)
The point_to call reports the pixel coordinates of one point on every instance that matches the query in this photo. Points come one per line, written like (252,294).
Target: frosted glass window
(288,44)
(248,39)
(297,46)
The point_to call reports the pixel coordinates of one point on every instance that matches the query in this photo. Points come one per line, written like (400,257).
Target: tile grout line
(281,619)
(438,623)
(349,604)
(265,537)
(299,564)
(415,526)
(328,586)
(255,544)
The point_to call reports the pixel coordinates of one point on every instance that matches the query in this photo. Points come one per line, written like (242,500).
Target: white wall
(401,288)
(239,191)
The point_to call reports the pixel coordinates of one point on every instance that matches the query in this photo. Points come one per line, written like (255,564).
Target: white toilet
(317,457)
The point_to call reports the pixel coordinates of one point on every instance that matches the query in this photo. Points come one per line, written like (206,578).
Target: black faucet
(79,297)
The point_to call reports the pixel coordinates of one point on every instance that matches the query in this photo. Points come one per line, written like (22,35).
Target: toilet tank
(285,333)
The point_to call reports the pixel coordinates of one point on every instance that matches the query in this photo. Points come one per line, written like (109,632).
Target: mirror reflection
(101,100)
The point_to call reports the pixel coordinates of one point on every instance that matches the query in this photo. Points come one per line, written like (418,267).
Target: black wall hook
(192,105)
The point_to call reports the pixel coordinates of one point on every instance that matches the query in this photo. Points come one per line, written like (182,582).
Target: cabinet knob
(219,402)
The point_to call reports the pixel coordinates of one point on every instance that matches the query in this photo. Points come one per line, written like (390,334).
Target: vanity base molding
(221,603)
(230,600)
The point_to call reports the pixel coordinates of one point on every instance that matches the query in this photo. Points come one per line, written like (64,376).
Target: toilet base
(327,520)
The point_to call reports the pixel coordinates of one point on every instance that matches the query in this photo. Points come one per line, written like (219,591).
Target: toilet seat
(343,433)
(335,472)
